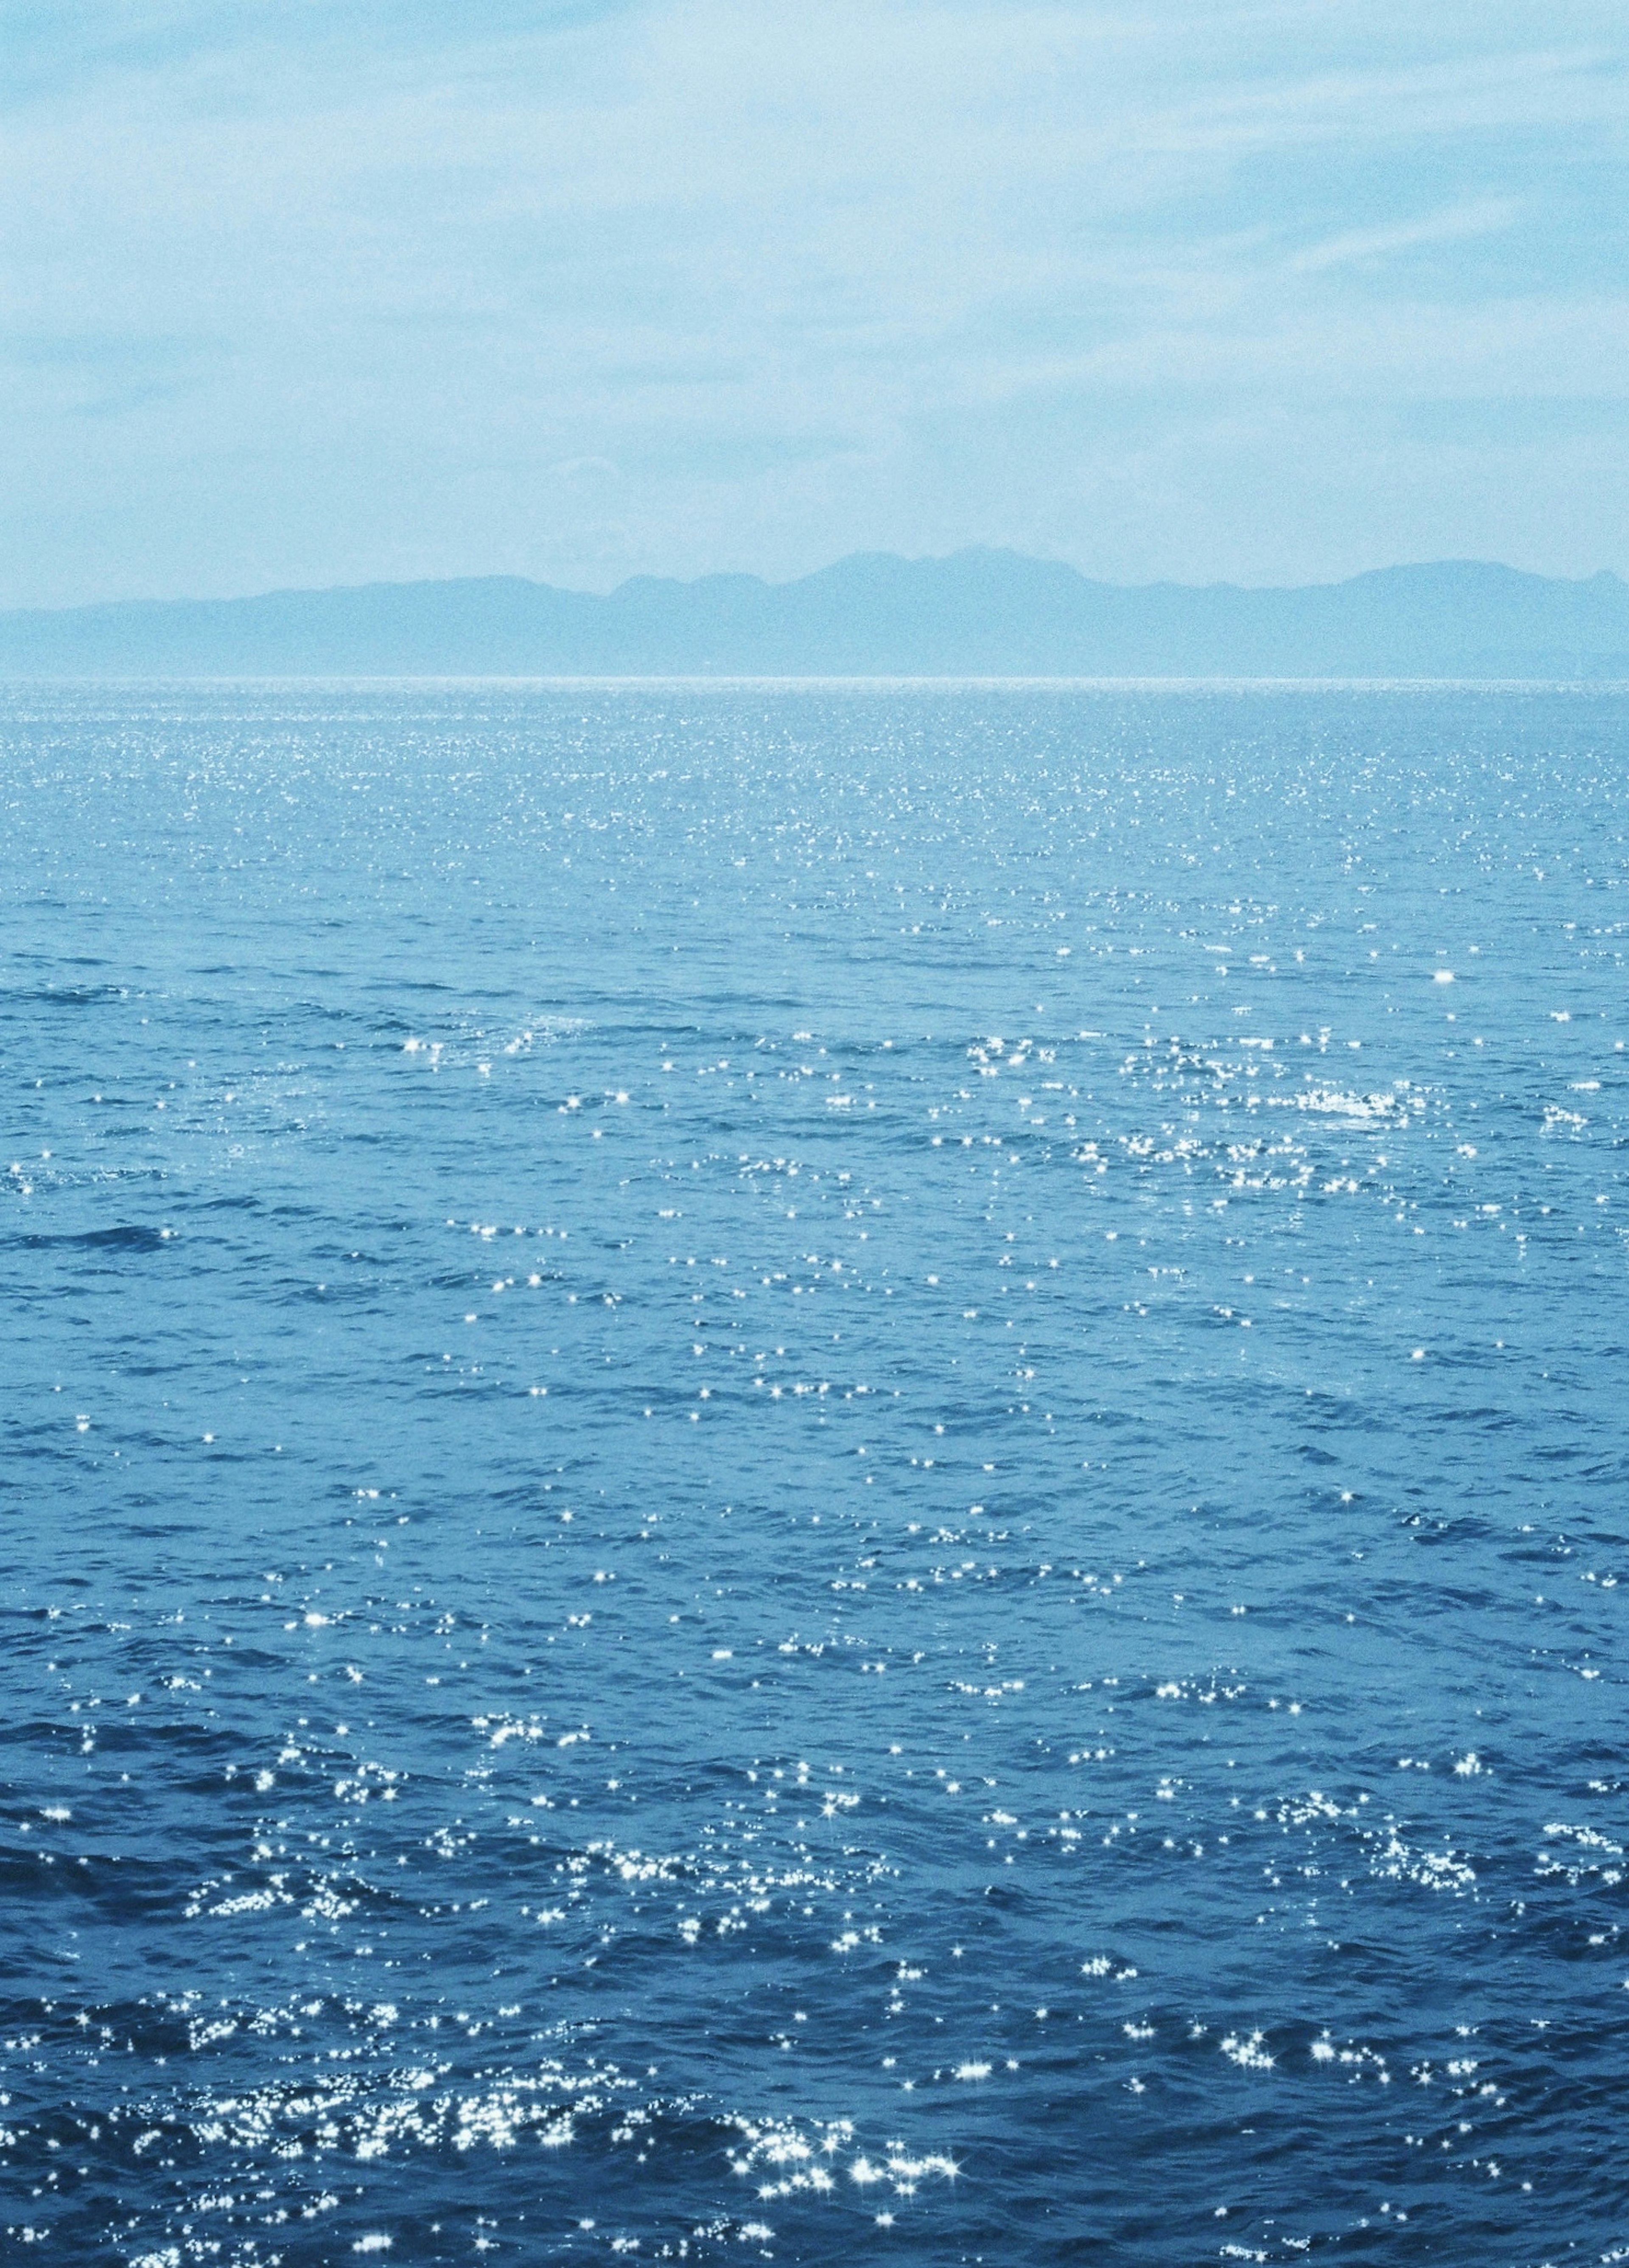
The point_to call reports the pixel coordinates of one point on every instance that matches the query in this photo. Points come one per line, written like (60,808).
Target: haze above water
(814,1473)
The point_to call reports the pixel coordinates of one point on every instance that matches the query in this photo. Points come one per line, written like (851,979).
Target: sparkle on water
(814,1473)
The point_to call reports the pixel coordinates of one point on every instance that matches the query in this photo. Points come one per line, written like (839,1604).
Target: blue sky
(324,292)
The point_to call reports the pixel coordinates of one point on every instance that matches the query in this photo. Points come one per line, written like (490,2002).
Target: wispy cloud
(1355,247)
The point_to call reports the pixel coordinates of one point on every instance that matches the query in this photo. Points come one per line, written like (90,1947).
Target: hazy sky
(326,291)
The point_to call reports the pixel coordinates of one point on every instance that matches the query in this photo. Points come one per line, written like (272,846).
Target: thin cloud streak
(1370,244)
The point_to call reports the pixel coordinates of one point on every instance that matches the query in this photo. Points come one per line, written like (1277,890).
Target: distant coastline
(975,613)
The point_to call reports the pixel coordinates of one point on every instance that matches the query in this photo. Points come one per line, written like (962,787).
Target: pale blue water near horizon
(814,1473)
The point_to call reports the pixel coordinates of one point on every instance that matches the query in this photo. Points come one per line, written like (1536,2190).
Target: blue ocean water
(814,1473)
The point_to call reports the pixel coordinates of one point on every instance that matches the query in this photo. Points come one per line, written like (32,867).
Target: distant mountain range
(978,614)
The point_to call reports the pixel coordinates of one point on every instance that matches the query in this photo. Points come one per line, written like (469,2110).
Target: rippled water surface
(820,1474)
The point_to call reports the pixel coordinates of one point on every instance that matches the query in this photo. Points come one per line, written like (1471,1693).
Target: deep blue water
(814,1473)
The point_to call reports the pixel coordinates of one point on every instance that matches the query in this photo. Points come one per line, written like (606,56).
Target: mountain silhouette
(977,612)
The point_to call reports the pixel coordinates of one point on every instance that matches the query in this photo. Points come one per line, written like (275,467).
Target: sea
(819,1472)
